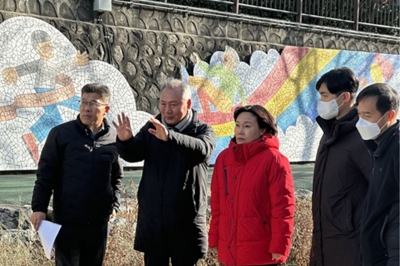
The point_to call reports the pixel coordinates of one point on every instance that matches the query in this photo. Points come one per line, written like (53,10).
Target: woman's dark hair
(264,118)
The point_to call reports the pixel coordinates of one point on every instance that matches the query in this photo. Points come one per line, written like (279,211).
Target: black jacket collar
(89,132)
(336,128)
(379,145)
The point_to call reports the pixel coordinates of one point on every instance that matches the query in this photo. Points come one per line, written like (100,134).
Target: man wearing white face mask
(378,105)
(341,174)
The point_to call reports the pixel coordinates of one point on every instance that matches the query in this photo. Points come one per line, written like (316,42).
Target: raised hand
(160,130)
(81,59)
(124,130)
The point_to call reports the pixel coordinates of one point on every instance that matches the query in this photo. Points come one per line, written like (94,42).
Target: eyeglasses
(91,104)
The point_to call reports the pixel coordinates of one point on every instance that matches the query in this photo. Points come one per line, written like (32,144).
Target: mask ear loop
(381,119)
(338,99)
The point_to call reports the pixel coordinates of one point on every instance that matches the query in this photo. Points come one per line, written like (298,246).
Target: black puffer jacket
(172,193)
(380,223)
(340,184)
(83,170)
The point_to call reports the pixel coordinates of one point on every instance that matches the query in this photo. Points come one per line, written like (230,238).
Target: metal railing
(377,16)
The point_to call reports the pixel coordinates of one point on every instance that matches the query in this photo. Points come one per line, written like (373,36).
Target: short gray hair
(98,88)
(39,36)
(178,84)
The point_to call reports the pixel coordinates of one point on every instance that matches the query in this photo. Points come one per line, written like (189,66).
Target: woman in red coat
(252,196)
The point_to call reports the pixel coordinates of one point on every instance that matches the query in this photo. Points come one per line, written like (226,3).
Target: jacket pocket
(226,181)
(382,232)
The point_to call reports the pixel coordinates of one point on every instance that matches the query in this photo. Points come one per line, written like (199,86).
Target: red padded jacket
(252,203)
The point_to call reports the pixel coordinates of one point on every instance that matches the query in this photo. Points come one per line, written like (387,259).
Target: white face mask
(369,130)
(328,110)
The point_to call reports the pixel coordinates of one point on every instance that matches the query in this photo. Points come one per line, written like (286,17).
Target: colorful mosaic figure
(283,83)
(221,97)
(52,87)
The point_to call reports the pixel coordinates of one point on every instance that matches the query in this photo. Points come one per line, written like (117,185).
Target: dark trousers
(259,265)
(81,245)
(262,265)
(160,260)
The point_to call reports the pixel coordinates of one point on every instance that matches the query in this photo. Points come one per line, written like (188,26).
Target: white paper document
(47,233)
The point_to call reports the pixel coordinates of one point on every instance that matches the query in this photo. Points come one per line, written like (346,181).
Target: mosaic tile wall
(282,81)
(284,84)
(40,88)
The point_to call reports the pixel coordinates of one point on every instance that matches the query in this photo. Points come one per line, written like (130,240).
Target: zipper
(226,181)
(373,163)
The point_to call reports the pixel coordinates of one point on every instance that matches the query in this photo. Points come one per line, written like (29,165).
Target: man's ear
(107,108)
(392,115)
(347,96)
(189,103)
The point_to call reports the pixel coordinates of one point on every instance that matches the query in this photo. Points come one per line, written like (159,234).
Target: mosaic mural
(40,82)
(42,74)
(284,84)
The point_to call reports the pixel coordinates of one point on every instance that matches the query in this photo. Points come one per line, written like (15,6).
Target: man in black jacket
(172,195)
(80,165)
(341,173)
(378,106)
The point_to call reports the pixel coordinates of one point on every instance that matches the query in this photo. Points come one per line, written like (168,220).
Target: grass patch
(22,247)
